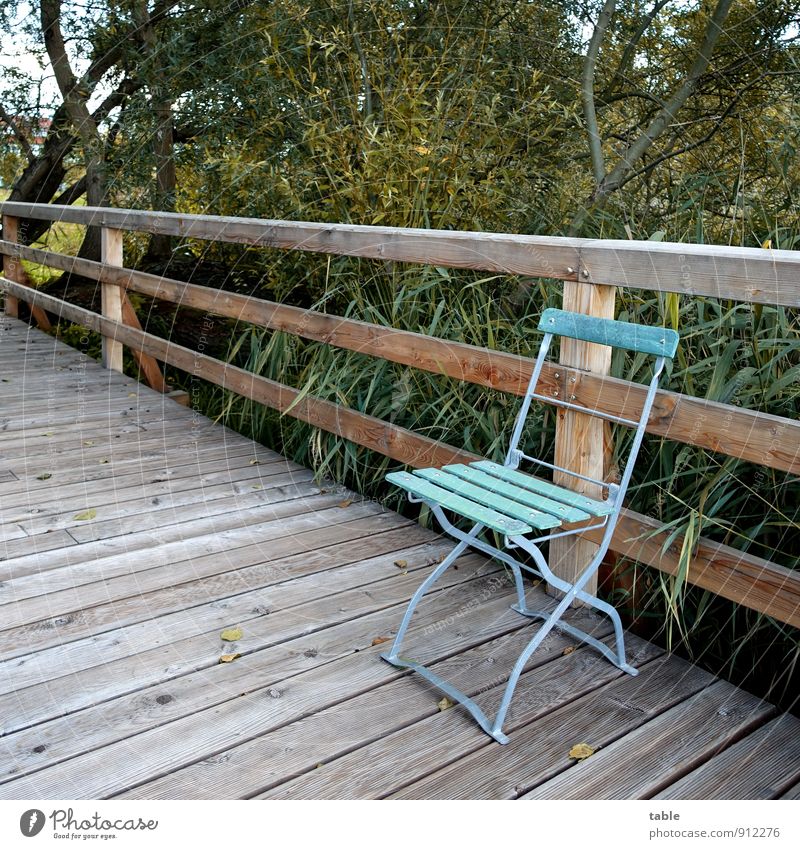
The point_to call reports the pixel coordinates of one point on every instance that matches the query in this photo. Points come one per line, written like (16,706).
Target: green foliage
(87,341)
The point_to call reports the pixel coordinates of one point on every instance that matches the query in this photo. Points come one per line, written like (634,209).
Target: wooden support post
(11,265)
(111,296)
(149,367)
(13,270)
(117,306)
(582,442)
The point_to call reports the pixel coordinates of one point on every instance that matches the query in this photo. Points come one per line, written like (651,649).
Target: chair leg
(616,657)
(548,625)
(552,620)
(393,655)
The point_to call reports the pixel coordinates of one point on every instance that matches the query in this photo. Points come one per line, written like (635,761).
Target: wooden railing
(743,274)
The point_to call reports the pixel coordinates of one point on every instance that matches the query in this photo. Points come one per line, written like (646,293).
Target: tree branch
(110,58)
(636,151)
(70,194)
(587,90)
(687,148)
(362,60)
(18,134)
(633,43)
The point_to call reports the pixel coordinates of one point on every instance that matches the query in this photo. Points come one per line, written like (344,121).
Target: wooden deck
(135,530)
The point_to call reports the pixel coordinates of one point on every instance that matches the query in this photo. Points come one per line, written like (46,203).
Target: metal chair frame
(572,591)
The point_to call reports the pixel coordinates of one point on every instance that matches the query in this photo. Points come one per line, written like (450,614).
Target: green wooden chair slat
(458,504)
(557,509)
(544,488)
(606,331)
(493,500)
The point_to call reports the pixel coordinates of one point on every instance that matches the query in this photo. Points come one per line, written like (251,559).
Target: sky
(15,53)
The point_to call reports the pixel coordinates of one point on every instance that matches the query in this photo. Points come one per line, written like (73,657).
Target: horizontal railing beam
(740,577)
(752,275)
(759,584)
(748,435)
(400,444)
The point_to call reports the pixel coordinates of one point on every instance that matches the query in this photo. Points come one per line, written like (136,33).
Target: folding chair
(515,504)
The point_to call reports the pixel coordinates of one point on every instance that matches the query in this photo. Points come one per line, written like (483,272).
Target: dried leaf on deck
(346,503)
(378,640)
(581,751)
(255,462)
(88,442)
(86,516)
(45,476)
(401,564)
(444,704)
(231,635)
(568,650)
(229,658)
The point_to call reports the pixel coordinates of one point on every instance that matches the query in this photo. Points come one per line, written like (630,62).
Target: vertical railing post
(111,296)
(11,264)
(583,442)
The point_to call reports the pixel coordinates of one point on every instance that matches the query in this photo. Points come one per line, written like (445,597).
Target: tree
(658,96)
(102,55)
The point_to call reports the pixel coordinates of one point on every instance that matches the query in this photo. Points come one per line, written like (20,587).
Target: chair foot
(526,611)
(617,658)
(492,729)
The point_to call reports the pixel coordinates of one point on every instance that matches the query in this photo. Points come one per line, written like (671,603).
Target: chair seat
(503,499)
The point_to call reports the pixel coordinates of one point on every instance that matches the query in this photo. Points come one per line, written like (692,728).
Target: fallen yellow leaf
(228,658)
(255,462)
(401,564)
(581,751)
(85,516)
(378,640)
(88,442)
(44,476)
(568,650)
(444,704)
(231,635)
(346,503)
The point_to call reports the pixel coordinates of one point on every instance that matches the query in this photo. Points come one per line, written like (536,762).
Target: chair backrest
(605,331)
(658,341)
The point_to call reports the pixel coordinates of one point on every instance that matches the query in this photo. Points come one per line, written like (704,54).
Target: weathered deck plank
(663,749)
(764,765)
(110,681)
(360,724)
(540,749)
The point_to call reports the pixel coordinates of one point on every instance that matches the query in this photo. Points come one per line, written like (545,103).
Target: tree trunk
(159,250)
